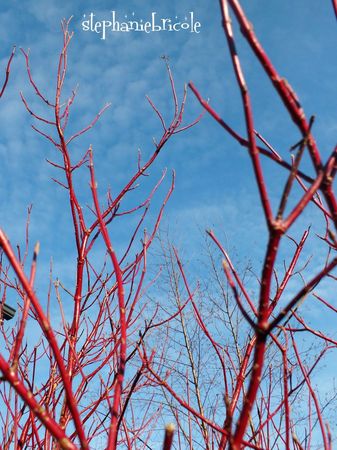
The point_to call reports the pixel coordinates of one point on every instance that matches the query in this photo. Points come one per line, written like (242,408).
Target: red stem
(7,72)
(261,337)
(169,433)
(112,440)
(253,150)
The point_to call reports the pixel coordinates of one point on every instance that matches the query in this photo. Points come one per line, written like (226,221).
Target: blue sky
(214,185)
(125,67)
